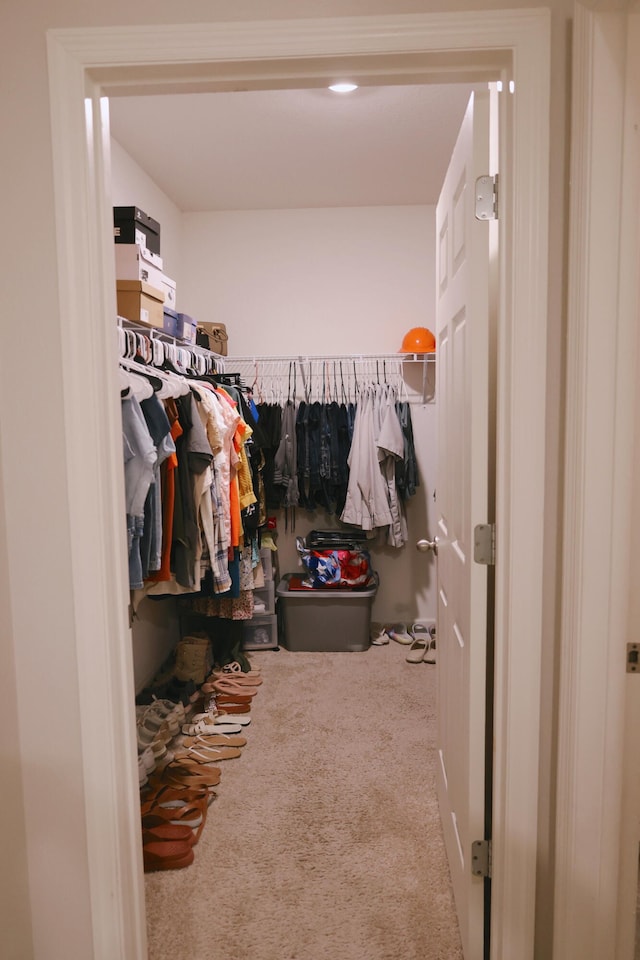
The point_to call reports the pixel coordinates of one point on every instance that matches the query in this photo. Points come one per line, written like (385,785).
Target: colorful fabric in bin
(336,568)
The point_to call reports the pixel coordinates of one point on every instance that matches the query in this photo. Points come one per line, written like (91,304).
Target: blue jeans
(135,529)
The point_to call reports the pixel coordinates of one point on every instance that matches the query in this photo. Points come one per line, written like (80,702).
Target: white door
(463,339)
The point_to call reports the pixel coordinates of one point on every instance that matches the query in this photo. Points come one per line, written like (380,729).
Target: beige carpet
(324,842)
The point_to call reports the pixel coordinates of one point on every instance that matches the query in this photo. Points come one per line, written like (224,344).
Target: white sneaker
(378,634)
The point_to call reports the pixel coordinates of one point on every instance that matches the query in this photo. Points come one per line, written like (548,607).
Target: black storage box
(132,225)
(336,539)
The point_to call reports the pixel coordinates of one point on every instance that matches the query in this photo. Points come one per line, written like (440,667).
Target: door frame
(84,65)
(602,344)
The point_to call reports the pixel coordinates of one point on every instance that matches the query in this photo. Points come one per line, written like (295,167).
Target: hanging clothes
(407,476)
(286,458)
(188,477)
(390,444)
(140,457)
(366,503)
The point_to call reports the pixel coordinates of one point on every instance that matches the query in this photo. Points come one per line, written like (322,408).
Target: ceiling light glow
(343,87)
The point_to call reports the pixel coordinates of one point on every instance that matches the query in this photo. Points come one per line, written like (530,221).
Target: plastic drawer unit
(329,620)
(265,599)
(261,633)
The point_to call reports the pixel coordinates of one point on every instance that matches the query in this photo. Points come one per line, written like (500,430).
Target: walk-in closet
(304,222)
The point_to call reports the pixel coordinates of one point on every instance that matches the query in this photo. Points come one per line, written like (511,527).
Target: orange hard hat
(418,340)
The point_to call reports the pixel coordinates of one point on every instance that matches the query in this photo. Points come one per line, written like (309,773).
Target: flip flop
(205,755)
(204,728)
(421,641)
(244,679)
(398,632)
(222,698)
(242,719)
(165,794)
(233,706)
(189,815)
(187,772)
(229,685)
(214,740)
(167,855)
(219,719)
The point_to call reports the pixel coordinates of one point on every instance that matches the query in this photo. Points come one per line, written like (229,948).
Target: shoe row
(419,637)
(181,786)
(156,724)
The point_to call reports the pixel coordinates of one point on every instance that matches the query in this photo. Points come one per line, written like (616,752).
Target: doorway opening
(133,122)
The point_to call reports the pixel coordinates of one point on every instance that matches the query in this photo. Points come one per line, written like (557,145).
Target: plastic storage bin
(324,620)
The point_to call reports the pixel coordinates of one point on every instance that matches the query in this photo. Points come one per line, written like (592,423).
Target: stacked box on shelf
(186,327)
(140,302)
(134,262)
(170,322)
(133,225)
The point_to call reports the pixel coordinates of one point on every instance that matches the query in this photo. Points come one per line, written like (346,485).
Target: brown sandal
(167,855)
(206,755)
(232,705)
(190,773)
(188,814)
(167,831)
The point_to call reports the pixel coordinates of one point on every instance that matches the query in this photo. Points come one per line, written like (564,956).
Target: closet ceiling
(285,149)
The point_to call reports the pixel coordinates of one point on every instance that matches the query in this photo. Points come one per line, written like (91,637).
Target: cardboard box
(137,263)
(140,302)
(133,225)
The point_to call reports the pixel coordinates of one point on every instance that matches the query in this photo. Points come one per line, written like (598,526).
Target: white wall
(339,280)
(327,281)
(131,186)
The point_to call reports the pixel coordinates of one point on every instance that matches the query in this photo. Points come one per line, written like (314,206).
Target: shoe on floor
(378,634)
(421,642)
(398,632)
(430,654)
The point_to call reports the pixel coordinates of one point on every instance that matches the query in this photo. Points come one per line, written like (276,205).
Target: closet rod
(351,361)
(345,358)
(155,333)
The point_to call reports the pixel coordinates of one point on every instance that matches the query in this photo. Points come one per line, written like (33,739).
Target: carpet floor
(324,842)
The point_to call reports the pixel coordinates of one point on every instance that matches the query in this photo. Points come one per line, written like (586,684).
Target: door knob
(424,545)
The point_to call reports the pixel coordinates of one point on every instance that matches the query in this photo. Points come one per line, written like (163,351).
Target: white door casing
(462,324)
(507,45)
(598,799)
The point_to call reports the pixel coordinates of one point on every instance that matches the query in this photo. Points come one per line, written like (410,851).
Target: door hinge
(484,544)
(132,615)
(633,658)
(481,858)
(487,198)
